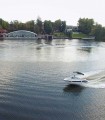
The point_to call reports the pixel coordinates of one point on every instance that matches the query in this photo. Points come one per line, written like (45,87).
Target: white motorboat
(76,79)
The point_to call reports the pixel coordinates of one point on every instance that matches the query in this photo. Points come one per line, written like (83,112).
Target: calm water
(32,86)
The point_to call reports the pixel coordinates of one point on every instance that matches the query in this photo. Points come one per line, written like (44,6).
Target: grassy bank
(76,35)
(59,34)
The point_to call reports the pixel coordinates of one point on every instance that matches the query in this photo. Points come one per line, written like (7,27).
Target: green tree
(16,24)
(39,25)
(85,25)
(99,32)
(63,26)
(30,25)
(21,26)
(103,34)
(57,25)
(3,24)
(48,27)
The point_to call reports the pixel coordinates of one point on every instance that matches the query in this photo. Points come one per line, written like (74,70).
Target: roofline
(21,30)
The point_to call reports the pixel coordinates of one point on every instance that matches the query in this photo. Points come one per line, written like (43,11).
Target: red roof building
(2,33)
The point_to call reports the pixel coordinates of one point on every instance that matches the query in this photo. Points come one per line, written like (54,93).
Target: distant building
(69,30)
(21,34)
(72,28)
(3,33)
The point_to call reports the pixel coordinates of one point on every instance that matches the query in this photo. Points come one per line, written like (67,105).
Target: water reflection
(73,88)
(85,49)
(28,84)
(86,46)
(49,42)
(50,50)
(39,41)
(38,47)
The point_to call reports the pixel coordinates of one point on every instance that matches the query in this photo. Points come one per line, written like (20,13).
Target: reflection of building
(21,34)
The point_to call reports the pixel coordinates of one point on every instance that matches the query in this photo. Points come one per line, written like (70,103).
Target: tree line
(39,27)
(90,28)
(85,25)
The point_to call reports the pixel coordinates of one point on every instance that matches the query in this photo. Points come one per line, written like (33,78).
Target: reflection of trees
(41,41)
(38,41)
(86,45)
(87,49)
(49,42)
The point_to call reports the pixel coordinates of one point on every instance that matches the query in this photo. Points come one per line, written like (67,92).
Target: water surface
(31,80)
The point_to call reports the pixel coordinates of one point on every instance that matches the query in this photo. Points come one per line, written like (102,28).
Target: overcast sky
(68,10)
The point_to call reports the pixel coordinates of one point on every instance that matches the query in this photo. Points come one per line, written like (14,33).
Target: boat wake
(96,83)
(96,79)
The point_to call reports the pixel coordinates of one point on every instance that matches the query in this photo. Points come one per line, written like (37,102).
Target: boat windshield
(78,73)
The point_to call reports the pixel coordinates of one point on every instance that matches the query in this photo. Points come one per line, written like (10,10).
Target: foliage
(85,25)
(30,25)
(39,25)
(48,27)
(88,27)
(99,32)
(59,26)
(63,26)
(3,24)
(15,25)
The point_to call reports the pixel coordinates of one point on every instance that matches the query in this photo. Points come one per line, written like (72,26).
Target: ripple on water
(32,86)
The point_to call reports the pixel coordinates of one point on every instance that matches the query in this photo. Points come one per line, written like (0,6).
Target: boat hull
(76,81)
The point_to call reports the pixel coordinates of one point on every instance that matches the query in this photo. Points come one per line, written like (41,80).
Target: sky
(68,10)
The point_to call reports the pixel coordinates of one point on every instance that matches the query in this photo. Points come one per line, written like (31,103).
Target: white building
(21,35)
(73,28)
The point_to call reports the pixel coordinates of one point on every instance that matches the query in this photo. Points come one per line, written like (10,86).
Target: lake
(32,85)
